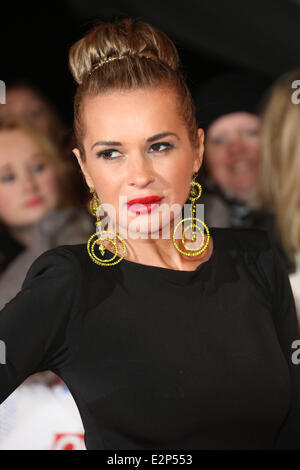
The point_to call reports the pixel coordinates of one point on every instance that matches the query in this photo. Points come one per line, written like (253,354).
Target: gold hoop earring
(103,235)
(196,192)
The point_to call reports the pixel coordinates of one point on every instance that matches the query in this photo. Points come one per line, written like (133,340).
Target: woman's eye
(161,146)
(7,178)
(39,167)
(251,132)
(108,154)
(218,140)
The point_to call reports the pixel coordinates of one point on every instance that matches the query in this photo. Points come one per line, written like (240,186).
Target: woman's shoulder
(78,253)
(69,260)
(242,239)
(71,265)
(62,254)
(58,263)
(253,243)
(254,250)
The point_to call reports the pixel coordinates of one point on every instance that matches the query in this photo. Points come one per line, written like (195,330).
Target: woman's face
(25,103)
(232,151)
(137,145)
(28,184)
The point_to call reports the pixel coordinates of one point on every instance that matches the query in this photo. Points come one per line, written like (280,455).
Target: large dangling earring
(102,235)
(196,192)
(94,202)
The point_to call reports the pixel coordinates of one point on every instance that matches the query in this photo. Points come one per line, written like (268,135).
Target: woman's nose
(29,183)
(140,172)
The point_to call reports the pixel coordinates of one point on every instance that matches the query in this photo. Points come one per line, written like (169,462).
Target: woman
(36,214)
(26,100)
(161,349)
(227,108)
(280,176)
(36,207)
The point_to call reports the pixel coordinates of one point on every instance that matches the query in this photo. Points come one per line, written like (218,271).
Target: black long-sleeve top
(157,358)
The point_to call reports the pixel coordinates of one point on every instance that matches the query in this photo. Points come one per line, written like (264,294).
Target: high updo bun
(128,38)
(126,55)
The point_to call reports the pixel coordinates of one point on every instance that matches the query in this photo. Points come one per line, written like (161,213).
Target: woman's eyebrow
(37,155)
(106,142)
(5,166)
(118,144)
(161,136)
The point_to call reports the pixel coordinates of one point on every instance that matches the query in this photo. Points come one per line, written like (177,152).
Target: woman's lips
(34,202)
(143,208)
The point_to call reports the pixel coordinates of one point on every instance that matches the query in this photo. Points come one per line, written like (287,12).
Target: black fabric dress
(162,359)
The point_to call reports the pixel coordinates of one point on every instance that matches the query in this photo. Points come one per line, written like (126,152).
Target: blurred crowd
(251,171)
(250,179)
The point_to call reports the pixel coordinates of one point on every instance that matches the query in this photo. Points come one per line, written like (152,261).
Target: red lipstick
(34,202)
(144,204)
(143,200)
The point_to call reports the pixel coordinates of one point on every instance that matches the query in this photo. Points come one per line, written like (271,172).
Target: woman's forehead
(231,121)
(15,142)
(142,111)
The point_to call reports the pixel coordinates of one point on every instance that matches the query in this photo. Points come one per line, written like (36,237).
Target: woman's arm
(34,324)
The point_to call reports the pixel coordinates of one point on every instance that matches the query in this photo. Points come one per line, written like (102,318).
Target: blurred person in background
(25,99)
(279,183)
(37,212)
(227,109)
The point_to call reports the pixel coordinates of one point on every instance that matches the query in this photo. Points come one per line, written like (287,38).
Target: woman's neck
(161,252)
(164,254)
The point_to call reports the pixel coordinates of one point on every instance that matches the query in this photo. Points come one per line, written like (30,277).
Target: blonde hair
(126,55)
(49,151)
(280,162)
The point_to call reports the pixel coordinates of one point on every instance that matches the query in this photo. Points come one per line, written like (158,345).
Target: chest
(197,357)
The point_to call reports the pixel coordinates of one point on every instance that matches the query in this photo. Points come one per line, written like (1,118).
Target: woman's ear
(199,151)
(84,170)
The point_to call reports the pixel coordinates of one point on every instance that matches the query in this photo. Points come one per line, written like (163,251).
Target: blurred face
(232,151)
(28,185)
(27,104)
(137,146)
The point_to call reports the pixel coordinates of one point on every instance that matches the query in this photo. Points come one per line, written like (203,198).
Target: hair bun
(123,38)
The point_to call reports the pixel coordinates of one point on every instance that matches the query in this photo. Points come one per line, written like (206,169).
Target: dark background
(213,36)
